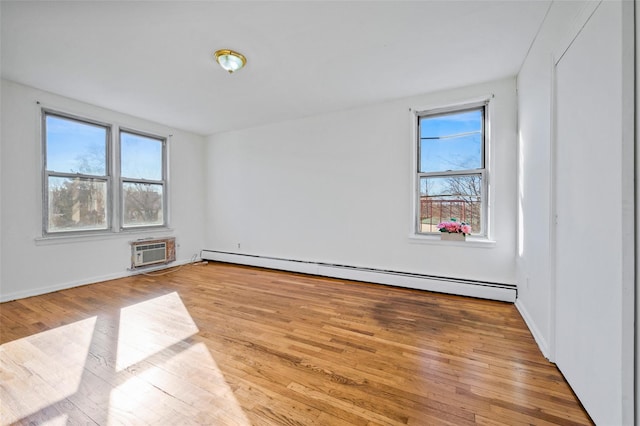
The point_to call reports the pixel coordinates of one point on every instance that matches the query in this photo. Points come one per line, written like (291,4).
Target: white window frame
(114,202)
(46,174)
(484,172)
(123,180)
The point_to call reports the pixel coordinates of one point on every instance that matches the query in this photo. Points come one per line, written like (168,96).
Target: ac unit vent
(150,254)
(144,253)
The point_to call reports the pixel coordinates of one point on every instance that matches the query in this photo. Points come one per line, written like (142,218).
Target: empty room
(319,212)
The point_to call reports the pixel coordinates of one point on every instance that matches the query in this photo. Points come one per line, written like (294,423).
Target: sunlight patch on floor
(61,420)
(198,390)
(155,351)
(143,365)
(34,375)
(149,327)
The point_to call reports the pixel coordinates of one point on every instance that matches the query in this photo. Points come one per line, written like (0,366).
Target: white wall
(637,206)
(534,175)
(1,196)
(337,188)
(594,346)
(31,266)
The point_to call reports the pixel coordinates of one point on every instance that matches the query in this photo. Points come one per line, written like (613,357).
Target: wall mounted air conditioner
(152,252)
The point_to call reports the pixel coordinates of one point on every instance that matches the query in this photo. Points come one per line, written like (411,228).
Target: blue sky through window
(451,141)
(141,157)
(75,147)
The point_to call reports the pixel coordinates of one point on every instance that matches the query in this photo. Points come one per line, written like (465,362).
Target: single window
(451,172)
(143,179)
(76,174)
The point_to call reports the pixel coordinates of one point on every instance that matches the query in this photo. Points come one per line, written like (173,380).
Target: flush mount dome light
(229,60)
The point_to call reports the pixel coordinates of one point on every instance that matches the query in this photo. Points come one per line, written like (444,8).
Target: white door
(592,219)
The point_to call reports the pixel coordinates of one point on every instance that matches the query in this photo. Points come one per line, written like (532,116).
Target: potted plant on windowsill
(454,230)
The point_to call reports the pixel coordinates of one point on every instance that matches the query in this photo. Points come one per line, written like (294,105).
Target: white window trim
(165,181)
(485,240)
(108,178)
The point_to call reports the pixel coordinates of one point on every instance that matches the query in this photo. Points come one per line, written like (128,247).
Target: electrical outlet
(238,245)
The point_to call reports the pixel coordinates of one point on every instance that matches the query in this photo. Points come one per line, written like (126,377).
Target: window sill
(435,239)
(99,236)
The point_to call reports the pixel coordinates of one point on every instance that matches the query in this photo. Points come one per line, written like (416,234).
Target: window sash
(482,232)
(482,172)
(449,111)
(145,206)
(81,210)
(47,229)
(124,223)
(149,138)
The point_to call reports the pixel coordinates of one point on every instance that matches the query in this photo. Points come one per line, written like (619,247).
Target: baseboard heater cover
(461,287)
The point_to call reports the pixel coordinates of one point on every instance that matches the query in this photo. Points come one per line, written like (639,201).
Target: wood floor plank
(232,345)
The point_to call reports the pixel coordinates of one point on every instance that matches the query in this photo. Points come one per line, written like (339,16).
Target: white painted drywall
(337,189)
(32,267)
(637,205)
(597,355)
(534,174)
(1,168)
(590,271)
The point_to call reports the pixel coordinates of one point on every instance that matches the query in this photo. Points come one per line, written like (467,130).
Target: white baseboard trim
(483,290)
(535,331)
(6,297)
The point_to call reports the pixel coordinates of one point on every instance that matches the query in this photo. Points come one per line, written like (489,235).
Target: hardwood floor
(229,345)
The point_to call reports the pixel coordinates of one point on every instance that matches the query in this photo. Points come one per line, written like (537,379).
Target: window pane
(77,204)
(451,141)
(74,146)
(142,204)
(141,157)
(451,197)
(460,121)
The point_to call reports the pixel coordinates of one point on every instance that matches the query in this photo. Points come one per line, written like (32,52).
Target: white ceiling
(154,59)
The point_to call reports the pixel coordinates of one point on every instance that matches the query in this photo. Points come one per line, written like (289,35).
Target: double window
(81,166)
(451,178)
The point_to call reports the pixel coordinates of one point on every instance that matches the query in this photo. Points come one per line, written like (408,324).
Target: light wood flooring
(221,344)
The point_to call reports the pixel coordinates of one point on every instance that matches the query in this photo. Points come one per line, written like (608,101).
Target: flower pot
(445,236)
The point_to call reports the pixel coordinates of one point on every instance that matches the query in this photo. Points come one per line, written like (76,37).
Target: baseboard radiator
(462,287)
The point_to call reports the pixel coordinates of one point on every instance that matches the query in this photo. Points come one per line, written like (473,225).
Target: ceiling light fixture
(229,60)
